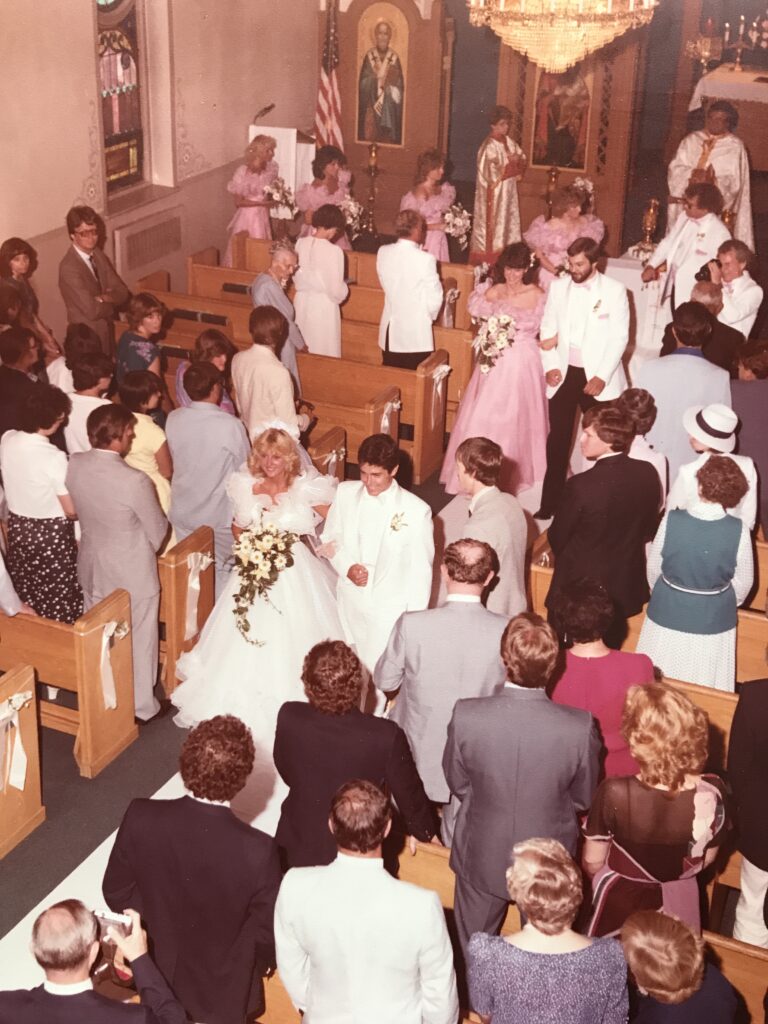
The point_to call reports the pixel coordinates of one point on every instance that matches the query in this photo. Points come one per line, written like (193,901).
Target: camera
(704,273)
(107,919)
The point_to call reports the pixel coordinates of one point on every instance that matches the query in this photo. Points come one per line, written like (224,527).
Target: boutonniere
(597,305)
(398,522)
(700,235)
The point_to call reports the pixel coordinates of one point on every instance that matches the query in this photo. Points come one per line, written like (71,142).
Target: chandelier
(556,34)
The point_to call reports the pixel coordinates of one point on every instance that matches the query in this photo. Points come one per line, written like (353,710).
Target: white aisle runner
(18,968)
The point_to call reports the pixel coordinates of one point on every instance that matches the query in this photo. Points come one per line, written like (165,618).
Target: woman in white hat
(712,431)
(700,569)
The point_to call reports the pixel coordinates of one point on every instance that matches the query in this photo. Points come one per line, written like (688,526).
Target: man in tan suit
(90,286)
(123,529)
(263,386)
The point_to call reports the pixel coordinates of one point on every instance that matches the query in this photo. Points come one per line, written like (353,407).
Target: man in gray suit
(496,518)
(123,528)
(437,657)
(521,767)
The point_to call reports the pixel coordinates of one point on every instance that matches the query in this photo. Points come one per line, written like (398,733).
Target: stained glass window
(120,82)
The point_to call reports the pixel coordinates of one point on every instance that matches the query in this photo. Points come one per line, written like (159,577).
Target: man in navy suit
(204,882)
(65,942)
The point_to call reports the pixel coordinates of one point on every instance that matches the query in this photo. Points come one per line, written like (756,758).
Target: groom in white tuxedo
(381,544)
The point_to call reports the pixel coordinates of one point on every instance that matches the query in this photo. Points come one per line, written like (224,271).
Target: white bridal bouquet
(281,194)
(495,334)
(261,553)
(457,224)
(353,212)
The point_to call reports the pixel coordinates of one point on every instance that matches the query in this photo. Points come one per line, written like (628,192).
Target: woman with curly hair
(247,186)
(330,184)
(507,405)
(248,659)
(700,569)
(546,973)
(570,220)
(649,835)
(431,197)
(18,262)
(321,745)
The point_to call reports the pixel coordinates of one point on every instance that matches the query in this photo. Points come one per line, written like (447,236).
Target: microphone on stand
(263,112)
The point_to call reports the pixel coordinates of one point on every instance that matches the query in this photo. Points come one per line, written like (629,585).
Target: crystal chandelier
(556,34)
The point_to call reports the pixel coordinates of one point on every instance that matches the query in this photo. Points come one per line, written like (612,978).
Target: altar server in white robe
(718,156)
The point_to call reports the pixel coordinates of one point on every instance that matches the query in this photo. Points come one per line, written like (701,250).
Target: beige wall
(216,62)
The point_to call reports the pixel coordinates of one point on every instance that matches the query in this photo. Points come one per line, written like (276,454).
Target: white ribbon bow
(107,678)
(387,411)
(197,562)
(331,459)
(438,392)
(14,773)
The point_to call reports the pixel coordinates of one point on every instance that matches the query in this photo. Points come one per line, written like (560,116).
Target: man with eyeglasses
(90,286)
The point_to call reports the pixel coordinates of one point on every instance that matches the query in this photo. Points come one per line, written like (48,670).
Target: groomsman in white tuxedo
(584,333)
(379,539)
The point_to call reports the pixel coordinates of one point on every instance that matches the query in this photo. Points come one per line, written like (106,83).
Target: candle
(631,6)
(726,34)
(741,27)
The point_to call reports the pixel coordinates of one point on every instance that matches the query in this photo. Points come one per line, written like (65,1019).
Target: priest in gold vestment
(500,162)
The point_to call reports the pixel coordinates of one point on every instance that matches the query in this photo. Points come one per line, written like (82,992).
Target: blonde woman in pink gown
(508,405)
(247,186)
(431,199)
(570,220)
(330,185)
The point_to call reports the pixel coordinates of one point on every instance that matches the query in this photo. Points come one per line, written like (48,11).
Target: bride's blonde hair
(280,441)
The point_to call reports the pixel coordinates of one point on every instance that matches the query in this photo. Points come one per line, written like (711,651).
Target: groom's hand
(358,574)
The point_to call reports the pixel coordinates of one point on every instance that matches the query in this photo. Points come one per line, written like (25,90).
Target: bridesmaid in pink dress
(508,405)
(330,185)
(570,220)
(431,199)
(247,186)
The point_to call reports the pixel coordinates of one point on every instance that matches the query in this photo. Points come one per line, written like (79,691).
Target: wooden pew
(745,966)
(70,657)
(361,314)
(329,453)
(720,708)
(423,403)
(21,810)
(174,571)
(200,312)
(758,596)
(751,632)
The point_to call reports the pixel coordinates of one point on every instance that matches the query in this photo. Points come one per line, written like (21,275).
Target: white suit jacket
(689,245)
(604,340)
(402,577)
(413,296)
(354,944)
(741,301)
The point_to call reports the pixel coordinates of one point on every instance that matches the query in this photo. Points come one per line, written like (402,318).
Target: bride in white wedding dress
(225,674)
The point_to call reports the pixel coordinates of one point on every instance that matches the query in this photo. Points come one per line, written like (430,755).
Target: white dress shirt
(34,473)
(76,431)
(74,989)
(741,301)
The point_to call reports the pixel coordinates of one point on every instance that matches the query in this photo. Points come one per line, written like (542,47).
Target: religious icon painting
(561,116)
(382,57)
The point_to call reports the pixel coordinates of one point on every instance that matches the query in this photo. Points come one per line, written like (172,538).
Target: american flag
(328,112)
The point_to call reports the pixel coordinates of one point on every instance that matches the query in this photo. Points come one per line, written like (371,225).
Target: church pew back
(174,569)
(359,409)
(751,632)
(21,810)
(421,392)
(745,966)
(757,601)
(329,452)
(70,657)
(360,313)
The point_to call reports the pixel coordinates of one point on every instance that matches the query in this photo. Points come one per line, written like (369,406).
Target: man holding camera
(65,942)
(741,295)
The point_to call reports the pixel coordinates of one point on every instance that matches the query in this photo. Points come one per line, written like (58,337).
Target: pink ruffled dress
(253,219)
(432,210)
(310,198)
(508,404)
(552,239)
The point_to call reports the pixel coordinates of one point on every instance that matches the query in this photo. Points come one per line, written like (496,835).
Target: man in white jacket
(413,294)
(355,944)
(584,332)
(741,295)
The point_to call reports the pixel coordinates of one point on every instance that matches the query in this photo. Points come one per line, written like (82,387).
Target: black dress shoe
(165,709)
(542,513)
